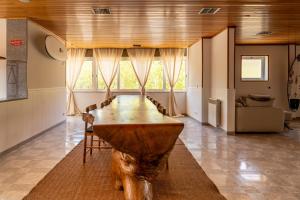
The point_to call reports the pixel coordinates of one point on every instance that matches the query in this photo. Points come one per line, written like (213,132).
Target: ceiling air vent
(264,33)
(101,11)
(209,11)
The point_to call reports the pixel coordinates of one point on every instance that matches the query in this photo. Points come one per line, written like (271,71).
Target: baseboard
(193,118)
(205,124)
(29,139)
(231,132)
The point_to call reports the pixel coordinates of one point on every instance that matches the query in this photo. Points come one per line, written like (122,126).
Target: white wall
(219,55)
(206,88)
(211,74)
(3,62)
(44,108)
(194,87)
(221,79)
(276,86)
(85,99)
(22,119)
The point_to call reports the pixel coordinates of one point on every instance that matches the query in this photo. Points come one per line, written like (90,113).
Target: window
(180,85)
(101,84)
(254,68)
(85,79)
(91,79)
(156,76)
(127,75)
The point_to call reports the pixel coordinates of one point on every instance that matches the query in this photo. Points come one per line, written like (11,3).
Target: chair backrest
(105,103)
(162,110)
(90,108)
(88,119)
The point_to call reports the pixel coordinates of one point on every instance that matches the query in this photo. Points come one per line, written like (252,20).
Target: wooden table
(142,139)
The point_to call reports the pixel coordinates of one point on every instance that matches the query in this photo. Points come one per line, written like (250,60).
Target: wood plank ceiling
(159,23)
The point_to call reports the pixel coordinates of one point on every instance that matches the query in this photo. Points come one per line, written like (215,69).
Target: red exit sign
(16,42)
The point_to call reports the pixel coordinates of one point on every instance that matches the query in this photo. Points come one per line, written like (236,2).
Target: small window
(85,79)
(255,68)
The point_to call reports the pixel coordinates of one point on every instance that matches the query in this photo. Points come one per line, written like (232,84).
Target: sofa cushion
(254,103)
(260,97)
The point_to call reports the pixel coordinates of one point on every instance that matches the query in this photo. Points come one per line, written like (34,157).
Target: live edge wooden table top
(142,139)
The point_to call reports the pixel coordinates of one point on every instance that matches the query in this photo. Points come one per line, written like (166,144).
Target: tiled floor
(245,166)
(23,168)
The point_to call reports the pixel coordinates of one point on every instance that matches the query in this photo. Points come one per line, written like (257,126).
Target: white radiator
(214,112)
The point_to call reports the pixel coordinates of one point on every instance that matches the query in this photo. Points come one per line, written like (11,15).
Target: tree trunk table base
(135,177)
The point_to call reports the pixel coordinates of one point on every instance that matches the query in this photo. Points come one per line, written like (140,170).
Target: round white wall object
(55,48)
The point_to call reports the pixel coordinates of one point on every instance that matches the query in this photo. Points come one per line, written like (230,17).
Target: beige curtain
(74,62)
(141,60)
(108,64)
(172,60)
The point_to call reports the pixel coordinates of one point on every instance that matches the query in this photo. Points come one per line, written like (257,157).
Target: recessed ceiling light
(209,11)
(101,11)
(265,33)
(25,1)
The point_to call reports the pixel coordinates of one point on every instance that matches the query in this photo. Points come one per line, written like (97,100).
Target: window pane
(180,85)
(255,68)
(155,79)
(101,84)
(85,79)
(128,78)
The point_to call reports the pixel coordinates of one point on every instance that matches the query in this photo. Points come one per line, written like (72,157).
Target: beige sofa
(256,113)
(259,119)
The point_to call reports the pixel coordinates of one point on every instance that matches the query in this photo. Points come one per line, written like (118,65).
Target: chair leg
(84,148)
(99,144)
(92,141)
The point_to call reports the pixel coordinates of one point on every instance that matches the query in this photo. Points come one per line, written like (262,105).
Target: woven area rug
(71,180)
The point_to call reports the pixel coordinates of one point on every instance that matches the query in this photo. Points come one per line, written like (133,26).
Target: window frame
(95,75)
(256,80)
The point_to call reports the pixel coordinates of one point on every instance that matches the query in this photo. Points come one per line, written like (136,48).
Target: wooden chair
(104,103)
(88,131)
(162,110)
(90,108)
